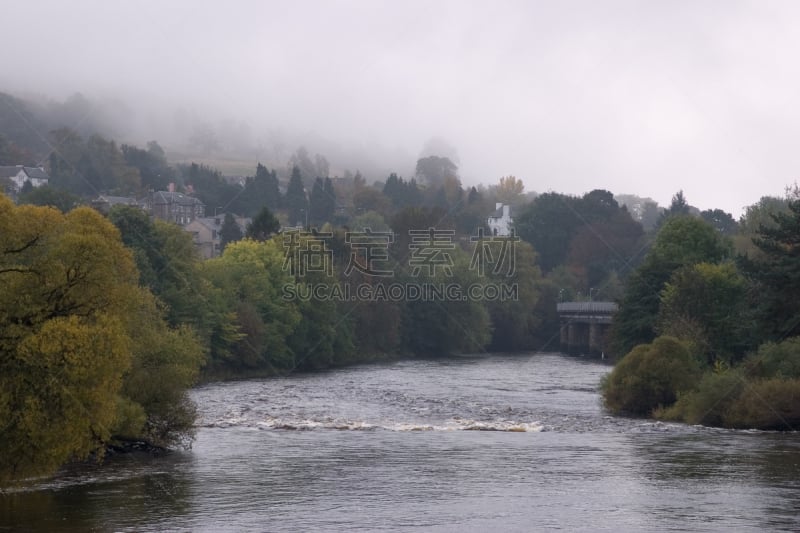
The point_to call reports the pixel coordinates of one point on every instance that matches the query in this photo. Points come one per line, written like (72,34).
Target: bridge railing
(587,308)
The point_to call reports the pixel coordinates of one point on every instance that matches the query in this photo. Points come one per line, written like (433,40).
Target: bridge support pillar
(572,337)
(594,338)
(578,337)
(585,326)
(598,338)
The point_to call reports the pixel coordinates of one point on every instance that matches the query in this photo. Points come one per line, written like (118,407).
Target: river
(504,443)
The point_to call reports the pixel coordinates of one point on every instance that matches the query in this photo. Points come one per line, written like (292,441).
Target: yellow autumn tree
(79,339)
(509,190)
(63,344)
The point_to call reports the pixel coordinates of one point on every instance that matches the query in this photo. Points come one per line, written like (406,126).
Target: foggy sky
(635,97)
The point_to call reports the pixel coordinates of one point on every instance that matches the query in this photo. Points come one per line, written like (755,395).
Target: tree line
(709,325)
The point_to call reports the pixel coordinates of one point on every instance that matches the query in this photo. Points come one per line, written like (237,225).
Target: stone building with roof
(105,202)
(206,233)
(175,207)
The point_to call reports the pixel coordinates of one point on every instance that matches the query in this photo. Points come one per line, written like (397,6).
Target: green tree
(329,200)
(767,404)
(681,241)
(268,186)
(608,242)
(209,186)
(678,207)
(12,154)
(710,402)
(318,205)
(370,220)
(50,196)
(21,127)
(776,360)
(650,215)
(755,216)
(323,337)
(515,322)
(261,190)
(548,224)
(370,199)
(229,232)
(761,393)
(91,167)
(414,219)
(306,168)
(154,404)
(721,221)
(64,280)
(394,190)
(434,169)
(777,272)
(263,226)
(250,279)
(705,305)
(168,264)
(152,165)
(448,325)
(296,201)
(650,376)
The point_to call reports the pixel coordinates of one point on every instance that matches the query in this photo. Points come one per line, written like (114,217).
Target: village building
(500,222)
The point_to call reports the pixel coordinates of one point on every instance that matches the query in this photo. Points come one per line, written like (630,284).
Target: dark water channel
(504,443)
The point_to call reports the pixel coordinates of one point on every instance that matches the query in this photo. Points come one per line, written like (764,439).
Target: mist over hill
(232,145)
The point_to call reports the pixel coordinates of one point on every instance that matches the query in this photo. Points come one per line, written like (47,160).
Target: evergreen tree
(474,196)
(296,198)
(330,199)
(679,206)
(229,232)
(152,165)
(393,189)
(264,225)
(318,204)
(778,273)
(263,189)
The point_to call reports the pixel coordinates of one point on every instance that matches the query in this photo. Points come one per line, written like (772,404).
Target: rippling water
(511,443)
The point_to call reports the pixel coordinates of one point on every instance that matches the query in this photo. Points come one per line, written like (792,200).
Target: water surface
(511,443)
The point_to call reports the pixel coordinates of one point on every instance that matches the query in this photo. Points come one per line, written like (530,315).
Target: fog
(634,97)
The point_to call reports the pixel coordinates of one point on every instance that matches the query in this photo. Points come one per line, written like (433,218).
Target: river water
(504,443)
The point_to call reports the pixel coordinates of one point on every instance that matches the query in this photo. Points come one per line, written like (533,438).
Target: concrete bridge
(584,326)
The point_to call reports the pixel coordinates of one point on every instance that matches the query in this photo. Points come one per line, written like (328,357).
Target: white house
(500,221)
(18,175)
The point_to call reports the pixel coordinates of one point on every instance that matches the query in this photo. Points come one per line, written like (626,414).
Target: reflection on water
(510,443)
(84,497)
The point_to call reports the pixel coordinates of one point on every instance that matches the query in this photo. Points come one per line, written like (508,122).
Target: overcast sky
(639,97)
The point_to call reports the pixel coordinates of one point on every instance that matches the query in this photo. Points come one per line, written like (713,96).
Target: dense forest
(107,319)
(708,325)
